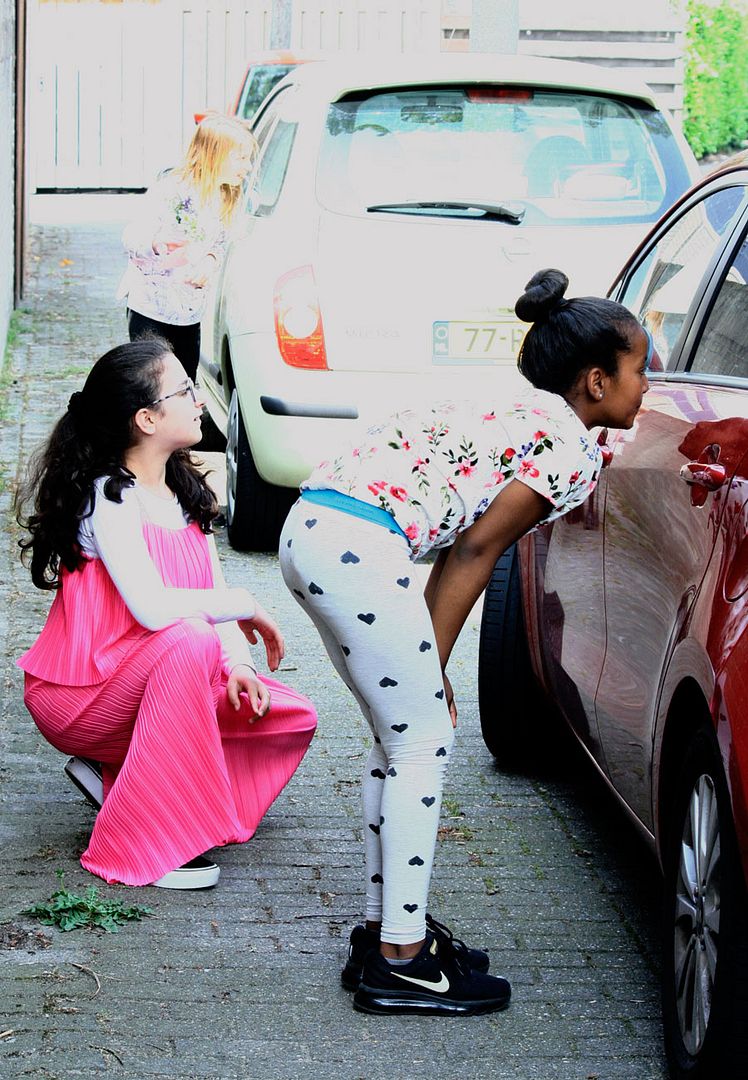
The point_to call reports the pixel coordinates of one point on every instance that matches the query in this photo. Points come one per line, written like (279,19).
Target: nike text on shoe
(437,980)
(86,775)
(199,873)
(362,940)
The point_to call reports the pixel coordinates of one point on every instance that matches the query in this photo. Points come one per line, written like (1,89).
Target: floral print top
(158,285)
(437,471)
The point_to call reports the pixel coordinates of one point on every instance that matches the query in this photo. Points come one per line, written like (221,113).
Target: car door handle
(703,474)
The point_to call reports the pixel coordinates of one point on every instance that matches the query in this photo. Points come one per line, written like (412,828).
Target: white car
(397,210)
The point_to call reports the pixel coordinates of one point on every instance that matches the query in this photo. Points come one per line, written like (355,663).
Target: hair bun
(543,292)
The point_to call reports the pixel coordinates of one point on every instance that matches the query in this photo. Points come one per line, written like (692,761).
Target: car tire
(705,935)
(508,692)
(213,438)
(255,510)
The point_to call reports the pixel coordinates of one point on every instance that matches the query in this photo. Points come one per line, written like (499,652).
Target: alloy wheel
(232,455)
(697,914)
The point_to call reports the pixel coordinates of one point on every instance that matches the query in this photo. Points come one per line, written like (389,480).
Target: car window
(261,78)
(662,287)
(723,346)
(263,129)
(565,158)
(267,181)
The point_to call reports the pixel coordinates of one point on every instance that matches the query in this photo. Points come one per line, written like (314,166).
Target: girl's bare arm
(432,584)
(468,564)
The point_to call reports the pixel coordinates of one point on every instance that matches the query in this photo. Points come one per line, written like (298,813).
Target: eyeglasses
(187,387)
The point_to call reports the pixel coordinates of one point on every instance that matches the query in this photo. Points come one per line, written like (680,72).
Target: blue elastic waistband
(355,507)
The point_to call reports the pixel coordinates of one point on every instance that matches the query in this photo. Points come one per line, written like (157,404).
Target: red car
(262,73)
(630,615)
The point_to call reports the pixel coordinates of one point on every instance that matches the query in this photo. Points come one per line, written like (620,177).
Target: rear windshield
(260,81)
(563,158)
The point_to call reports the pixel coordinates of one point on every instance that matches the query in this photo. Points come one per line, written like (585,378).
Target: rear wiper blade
(510,212)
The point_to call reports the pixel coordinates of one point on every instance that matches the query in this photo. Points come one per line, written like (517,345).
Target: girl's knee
(434,748)
(307,715)
(192,641)
(299,709)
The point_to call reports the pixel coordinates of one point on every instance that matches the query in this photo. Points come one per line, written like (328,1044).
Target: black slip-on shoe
(437,980)
(198,873)
(362,940)
(86,775)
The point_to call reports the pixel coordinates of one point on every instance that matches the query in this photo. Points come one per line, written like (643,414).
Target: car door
(256,199)
(667,485)
(564,567)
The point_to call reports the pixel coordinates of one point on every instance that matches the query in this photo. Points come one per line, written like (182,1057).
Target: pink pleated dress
(183,770)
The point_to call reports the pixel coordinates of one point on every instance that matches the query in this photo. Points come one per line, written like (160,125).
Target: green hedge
(716,75)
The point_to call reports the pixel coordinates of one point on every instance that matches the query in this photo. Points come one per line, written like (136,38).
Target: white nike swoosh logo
(440,987)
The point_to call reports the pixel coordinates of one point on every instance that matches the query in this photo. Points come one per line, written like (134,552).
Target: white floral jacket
(158,285)
(436,472)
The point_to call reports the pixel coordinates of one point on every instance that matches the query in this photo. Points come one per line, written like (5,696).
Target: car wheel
(508,692)
(255,510)
(705,963)
(213,438)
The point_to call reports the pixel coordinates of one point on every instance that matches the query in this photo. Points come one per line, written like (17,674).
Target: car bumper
(296,418)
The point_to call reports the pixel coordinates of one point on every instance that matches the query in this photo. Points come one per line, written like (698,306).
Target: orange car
(260,77)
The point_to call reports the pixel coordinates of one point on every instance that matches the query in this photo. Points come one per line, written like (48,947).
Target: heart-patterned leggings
(355,580)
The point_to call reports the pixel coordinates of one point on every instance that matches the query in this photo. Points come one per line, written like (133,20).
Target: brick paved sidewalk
(242,981)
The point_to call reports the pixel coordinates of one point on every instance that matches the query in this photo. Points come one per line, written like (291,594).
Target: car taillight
(298,320)
(507,94)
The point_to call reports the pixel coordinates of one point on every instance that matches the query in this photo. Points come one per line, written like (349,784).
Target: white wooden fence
(113,85)
(644,38)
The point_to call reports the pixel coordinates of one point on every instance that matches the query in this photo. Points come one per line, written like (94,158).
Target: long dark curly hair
(90,441)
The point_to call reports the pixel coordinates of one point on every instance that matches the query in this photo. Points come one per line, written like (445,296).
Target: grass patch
(16,327)
(460,833)
(452,807)
(69,372)
(68,911)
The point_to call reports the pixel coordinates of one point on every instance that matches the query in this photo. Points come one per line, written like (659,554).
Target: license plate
(465,342)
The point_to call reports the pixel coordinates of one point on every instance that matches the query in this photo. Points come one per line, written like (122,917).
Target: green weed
(68,911)
(16,326)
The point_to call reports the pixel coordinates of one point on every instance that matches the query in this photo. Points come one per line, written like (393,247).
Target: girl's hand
(164,247)
(243,680)
(449,696)
(262,624)
(203,272)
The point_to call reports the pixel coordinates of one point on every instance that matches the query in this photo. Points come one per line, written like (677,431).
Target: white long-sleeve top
(114,534)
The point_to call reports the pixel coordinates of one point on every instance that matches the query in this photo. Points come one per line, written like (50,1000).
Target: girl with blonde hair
(177,241)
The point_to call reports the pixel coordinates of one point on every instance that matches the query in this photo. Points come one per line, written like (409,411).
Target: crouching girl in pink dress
(143,663)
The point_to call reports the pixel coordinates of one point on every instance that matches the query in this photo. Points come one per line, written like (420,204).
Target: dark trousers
(184,340)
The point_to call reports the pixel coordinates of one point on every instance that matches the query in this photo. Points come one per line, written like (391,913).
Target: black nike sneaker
(437,980)
(362,940)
